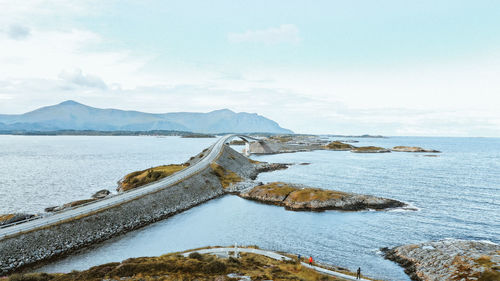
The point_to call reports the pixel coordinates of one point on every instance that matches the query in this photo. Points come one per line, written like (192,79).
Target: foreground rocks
(448,259)
(298,198)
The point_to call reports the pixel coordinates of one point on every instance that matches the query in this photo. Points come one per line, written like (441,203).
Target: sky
(389,67)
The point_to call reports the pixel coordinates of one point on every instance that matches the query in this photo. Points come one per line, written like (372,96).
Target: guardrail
(31,224)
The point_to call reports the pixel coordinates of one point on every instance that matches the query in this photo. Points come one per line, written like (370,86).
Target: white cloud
(77,77)
(44,53)
(285,33)
(18,32)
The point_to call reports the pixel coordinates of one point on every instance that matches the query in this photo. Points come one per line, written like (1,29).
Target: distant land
(71,116)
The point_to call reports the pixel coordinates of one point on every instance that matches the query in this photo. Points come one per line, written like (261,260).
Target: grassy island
(337,145)
(299,198)
(140,178)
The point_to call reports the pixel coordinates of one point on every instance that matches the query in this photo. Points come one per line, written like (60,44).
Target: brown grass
(79,202)
(6,217)
(140,178)
(314,194)
(339,145)
(226,177)
(368,148)
(275,188)
(237,142)
(175,267)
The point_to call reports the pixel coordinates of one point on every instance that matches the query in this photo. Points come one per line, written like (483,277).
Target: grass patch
(275,188)
(368,149)
(280,192)
(237,142)
(337,145)
(6,217)
(314,194)
(78,202)
(175,267)
(226,177)
(140,178)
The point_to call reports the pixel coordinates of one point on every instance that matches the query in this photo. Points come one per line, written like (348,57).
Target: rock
(269,167)
(51,209)
(449,259)
(413,149)
(101,194)
(370,149)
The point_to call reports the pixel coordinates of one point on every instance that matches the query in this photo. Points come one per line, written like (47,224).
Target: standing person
(358,273)
(310,260)
(298,257)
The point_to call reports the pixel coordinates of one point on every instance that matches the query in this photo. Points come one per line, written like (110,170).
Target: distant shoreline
(107,133)
(185,134)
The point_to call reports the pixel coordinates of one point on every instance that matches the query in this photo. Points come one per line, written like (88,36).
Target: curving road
(121,198)
(273,255)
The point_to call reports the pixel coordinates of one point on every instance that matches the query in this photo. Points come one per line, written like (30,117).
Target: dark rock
(51,209)
(101,194)
(269,167)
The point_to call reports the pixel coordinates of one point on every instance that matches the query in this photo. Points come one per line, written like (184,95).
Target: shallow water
(458,194)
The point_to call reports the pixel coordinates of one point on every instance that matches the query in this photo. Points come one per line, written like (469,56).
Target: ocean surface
(457,195)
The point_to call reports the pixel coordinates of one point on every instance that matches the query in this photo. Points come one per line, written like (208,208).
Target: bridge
(68,214)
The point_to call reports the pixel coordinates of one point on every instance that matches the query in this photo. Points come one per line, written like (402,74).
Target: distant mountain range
(71,115)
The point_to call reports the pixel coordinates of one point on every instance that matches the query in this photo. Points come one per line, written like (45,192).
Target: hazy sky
(348,67)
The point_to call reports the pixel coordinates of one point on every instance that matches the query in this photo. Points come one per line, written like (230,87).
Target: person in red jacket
(310,260)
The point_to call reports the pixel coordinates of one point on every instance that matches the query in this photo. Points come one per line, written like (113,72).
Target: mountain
(71,115)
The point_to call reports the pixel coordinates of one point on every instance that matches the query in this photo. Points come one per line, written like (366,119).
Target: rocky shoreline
(448,259)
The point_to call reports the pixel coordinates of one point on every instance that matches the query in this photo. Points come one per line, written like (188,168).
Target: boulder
(101,194)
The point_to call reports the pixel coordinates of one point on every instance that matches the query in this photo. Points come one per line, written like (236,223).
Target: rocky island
(449,259)
(413,149)
(299,198)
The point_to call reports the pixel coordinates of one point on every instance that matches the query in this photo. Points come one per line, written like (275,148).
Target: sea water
(457,195)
